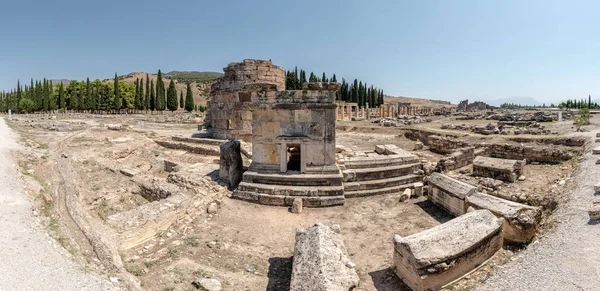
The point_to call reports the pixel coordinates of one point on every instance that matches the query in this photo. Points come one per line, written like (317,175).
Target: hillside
(200,82)
(417,101)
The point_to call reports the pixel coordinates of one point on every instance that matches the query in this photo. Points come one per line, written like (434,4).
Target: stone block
(321,261)
(418,189)
(297,206)
(433,258)
(171,166)
(594,212)
(418,146)
(405,195)
(129,172)
(520,220)
(500,169)
(231,163)
(596,151)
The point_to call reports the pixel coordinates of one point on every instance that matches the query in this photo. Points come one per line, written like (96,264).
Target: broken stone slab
(129,172)
(449,193)
(520,220)
(321,261)
(435,257)
(596,151)
(171,166)
(231,163)
(597,188)
(207,284)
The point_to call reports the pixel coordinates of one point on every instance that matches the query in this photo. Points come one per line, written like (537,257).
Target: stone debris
(430,259)
(321,261)
(520,220)
(206,284)
(594,212)
(598,160)
(129,172)
(171,166)
(231,164)
(597,188)
(418,146)
(212,208)
(297,206)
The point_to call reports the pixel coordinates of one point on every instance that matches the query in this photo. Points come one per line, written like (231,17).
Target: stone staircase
(392,172)
(316,190)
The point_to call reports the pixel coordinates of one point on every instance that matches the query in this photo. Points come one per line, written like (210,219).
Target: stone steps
(291,190)
(293,179)
(387,190)
(195,148)
(280,200)
(378,162)
(382,183)
(354,175)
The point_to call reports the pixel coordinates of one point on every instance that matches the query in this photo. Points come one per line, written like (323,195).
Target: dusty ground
(245,246)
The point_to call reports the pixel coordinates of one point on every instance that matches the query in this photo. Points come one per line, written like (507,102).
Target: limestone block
(129,172)
(231,164)
(418,189)
(594,212)
(597,134)
(297,206)
(598,161)
(597,188)
(171,166)
(405,195)
(418,146)
(430,259)
(501,169)
(520,220)
(596,151)
(449,193)
(321,261)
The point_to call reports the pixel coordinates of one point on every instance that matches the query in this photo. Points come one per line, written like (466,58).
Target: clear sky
(451,50)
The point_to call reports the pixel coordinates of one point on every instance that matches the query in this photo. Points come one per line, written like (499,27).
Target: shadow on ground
(436,212)
(386,280)
(280,274)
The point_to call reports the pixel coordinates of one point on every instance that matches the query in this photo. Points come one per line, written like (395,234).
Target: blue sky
(450,50)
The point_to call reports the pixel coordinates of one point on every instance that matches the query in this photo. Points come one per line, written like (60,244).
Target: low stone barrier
(458,159)
(430,259)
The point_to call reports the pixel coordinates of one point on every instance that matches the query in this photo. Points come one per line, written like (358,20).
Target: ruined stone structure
(499,169)
(449,193)
(321,261)
(350,111)
(293,147)
(387,111)
(228,114)
(433,258)
(464,106)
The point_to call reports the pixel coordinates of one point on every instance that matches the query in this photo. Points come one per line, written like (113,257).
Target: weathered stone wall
(499,169)
(228,115)
(445,145)
(460,158)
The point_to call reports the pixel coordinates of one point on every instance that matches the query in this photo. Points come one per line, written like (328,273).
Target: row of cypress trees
(356,92)
(96,96)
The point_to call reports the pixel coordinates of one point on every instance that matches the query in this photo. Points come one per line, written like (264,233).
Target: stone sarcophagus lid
(433,258)
(500,169)
(520,220)
(449,193)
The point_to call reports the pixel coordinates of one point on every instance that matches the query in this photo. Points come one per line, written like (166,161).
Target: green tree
(147,96)
(189,99)
(181,103)
(160,93)
(89,95)
(152,96)
(137,102)
(172,97)
(62,102)
(26,105)
(581,119)
(117,102)
(312,78)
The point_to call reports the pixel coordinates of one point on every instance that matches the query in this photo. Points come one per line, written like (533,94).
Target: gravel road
(567,258)
(29,258)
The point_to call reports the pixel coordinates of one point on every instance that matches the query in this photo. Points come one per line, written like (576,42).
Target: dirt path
(31,260)
(567,258)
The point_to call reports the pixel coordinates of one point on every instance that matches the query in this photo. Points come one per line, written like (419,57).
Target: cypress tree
(136,100)
(19,93)
(117,102)
(147,107)
(172,97)
(61,96)
(89,95)
(324,78)
(160,93)
(51,97)
(312,77)
(334,79)
(181,104)
(355,91)
(189,99)
(80,100)
(152,96)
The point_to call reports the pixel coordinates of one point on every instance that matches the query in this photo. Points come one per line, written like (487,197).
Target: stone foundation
(499,169)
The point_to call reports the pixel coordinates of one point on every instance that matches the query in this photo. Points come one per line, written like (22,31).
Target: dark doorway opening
(293,157)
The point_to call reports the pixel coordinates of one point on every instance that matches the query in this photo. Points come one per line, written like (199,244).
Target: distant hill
(418,101)
(193,76)
(525,101)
